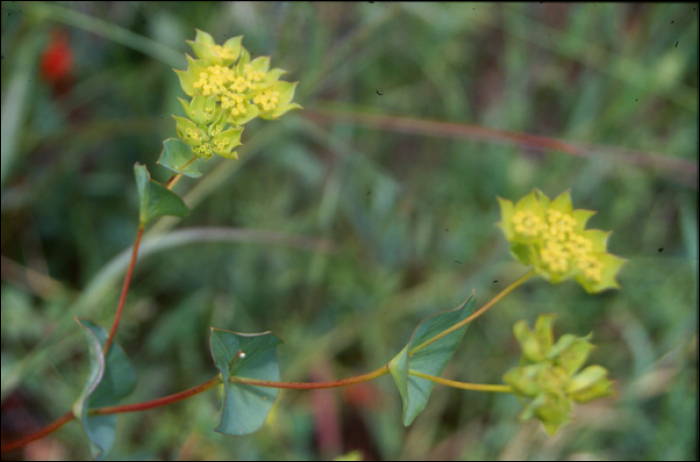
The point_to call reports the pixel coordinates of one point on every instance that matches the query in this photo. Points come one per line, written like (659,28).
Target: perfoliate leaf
(431,360)
(107,383)
(249,356)
(176,154)
(155,200)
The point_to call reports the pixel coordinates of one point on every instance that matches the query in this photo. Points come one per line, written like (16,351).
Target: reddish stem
(175,178)
(191,392)
(313,385)
(114,410)
(125,290)
(157,402)
(67,417)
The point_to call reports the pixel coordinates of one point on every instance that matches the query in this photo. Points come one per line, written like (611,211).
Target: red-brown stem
(125,290)
(175,178)
(114,410)
(67,417)
(313,385)
(164,401)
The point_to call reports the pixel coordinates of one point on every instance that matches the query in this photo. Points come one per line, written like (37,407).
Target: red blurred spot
(363,395)
(57,60)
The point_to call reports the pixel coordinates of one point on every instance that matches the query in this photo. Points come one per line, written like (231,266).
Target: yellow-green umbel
(548,380)
(227,88)
(550,236)
(208,140)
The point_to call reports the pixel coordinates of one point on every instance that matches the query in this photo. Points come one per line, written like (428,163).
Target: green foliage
(177,156)
(155,200)
(108,382)
(251,356)
(549,378)
(431,360)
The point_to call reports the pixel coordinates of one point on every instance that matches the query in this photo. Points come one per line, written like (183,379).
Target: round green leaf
(108,382)
(155,200)
(176,154)
(251,356)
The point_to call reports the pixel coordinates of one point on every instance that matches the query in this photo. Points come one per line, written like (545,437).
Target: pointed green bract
(431,359)
(176,156)
(108,382)
(201,110)
(205,48)
(250,356)
(398,367)
(548,379)
(155,200)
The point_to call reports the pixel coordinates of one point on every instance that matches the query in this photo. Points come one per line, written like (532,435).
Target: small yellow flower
(551,236)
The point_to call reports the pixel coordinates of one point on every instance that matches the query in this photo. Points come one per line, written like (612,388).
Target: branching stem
(463,385)
(474,315)
(164,401)
(313,385)
(13,446)
(175,178)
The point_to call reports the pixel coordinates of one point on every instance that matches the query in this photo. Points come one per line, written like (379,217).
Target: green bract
(205,48)
(227,88)
(155,200)
(431,359)
(550,236)
(202,110)
(548,381)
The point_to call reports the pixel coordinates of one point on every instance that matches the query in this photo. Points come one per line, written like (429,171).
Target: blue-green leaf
(251,356)
(155,200)
(108,382)
(431,359)
(177,156)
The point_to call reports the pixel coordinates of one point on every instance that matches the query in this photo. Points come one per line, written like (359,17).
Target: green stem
(67,417)
(463,385)
(474,315)
(125,290)
(164,401)
(313,385)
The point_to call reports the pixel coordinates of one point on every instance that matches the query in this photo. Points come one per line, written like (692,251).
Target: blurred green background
(409,206)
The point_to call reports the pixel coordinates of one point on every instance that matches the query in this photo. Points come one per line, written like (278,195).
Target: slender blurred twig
(685,171)
(39,284)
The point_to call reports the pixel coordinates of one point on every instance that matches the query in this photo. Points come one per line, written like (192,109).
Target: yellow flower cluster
(267,100)
(550,235)
(561,246)
(227,88)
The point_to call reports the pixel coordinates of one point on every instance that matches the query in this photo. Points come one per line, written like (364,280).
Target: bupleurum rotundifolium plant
(227,90)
